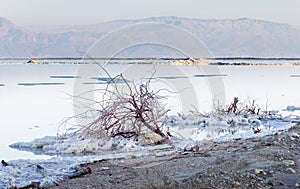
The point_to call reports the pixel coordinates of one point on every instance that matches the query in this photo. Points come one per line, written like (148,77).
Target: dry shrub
(127,110)
(235,108)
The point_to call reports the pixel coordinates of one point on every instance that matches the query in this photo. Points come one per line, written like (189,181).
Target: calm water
(35,98)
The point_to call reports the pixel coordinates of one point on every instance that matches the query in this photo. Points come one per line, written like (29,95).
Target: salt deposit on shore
(187,132)
(167,61)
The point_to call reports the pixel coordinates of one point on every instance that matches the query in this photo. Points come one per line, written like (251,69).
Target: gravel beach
(268,162)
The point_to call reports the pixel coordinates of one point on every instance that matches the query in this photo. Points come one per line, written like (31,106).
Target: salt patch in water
(64,77)
(39,84)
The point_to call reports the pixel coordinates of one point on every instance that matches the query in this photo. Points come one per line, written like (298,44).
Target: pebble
(104,168)
(236,184)
(297,185)
(274,182)
(295,135)
(252,176)
(260,179)
(288,162)
(259,172)
(290,170)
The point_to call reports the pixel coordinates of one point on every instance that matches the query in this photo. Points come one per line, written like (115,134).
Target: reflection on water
(210,75)
(294,75)
(35,151)
(94,83)
(172,77)
(64,76)
(32,104)
(109,80)
(39,84)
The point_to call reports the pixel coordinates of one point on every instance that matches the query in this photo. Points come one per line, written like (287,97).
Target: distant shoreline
(150,58)
(219,61)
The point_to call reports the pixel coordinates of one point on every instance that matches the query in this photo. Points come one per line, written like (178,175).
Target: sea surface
(35,98)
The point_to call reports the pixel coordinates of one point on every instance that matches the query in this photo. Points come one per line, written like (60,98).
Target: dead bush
(235,108)
(127,109)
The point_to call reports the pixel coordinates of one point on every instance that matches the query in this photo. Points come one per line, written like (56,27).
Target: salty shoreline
(268,162)
(201,152)
(162,61)
(195,140)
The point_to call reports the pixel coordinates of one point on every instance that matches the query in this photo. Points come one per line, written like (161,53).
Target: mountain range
(224,38)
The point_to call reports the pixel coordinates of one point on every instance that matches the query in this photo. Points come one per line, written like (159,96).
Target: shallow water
(32,109)
(35,98)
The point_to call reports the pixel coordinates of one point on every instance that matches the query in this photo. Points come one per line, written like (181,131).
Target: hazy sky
(62,12)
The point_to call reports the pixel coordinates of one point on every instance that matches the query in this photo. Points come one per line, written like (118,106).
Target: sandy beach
(268,162)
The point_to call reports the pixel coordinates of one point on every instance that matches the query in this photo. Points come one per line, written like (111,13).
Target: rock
(297,185)
(89,170)
(274,182)
(236,185)
(259,172)
(188,148)
(288,162)
(290,170)
(4,163)
(104,168)
(150,139)
(80,172)
(31,61)
(252,176)
(271,183)
(295,135)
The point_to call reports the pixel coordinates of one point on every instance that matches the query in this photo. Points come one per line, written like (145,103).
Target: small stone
(104,168)
(187,148)
(288,162)
(281,182)
(89,170)
(236,184)
(32,61)
(4,163)
(252,176)
(274,182)
(259,178)
(297,185)
(295,135)
(271,183)
(150,138)
(290,170)
(259,172)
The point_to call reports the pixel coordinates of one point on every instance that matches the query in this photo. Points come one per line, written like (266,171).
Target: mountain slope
(19,42)
(239,37)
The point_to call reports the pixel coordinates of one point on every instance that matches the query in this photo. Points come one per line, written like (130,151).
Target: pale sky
(77,12)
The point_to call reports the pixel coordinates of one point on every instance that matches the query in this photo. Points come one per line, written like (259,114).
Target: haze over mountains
(224,38)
